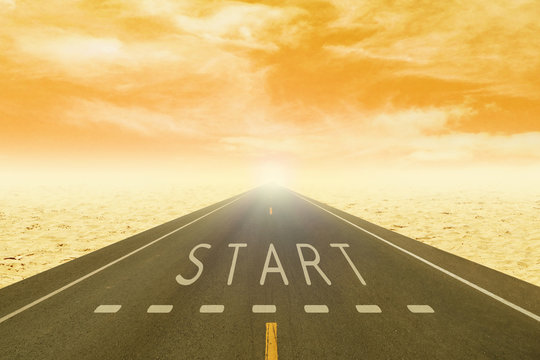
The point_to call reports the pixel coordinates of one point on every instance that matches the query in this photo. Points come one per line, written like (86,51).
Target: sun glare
(272,172)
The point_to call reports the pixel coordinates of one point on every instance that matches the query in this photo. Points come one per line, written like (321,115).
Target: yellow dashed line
(271,341)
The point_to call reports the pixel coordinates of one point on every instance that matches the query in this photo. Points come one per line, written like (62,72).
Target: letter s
(183,281)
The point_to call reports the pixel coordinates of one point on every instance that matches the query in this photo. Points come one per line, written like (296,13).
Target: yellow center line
(270,211)
(271,341)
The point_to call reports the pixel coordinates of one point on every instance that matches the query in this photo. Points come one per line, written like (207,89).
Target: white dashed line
(420,309)
(212,309)
(159,309)
(368,309)
(264,309)
(107,309)
(316,309)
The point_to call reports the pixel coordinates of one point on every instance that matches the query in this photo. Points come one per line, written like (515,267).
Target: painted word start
(278,268)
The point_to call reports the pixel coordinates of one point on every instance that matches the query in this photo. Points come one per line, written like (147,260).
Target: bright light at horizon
(271,172)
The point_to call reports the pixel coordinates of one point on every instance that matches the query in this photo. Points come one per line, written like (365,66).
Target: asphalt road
(146,298)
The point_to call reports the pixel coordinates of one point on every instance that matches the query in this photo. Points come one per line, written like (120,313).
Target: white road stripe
(421,309)
(212,309)
(159,309)
(107,309)
(316,309)
(459,278)
(264,309)
(368,309)
(43,298)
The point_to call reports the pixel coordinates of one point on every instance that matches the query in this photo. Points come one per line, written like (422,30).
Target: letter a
(278,268)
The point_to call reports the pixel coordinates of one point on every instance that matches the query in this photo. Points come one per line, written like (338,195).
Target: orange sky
(306,84)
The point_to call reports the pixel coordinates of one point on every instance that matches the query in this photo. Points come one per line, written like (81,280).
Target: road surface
(270,270)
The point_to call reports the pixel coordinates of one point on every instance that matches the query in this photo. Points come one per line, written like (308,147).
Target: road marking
(270,211)
(316,309)
(107,309)
(270,352)
(459,278)
(342,248)
(212,309)
(263,309)
(182,280)
(368,309)
(273,269)
(235,257)
(420,309)
(159,309)
(314,263)
(43,298)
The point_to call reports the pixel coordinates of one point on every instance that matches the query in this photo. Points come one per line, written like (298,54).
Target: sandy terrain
(43,227)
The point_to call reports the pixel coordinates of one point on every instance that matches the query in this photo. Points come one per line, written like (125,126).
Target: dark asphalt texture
(466,324)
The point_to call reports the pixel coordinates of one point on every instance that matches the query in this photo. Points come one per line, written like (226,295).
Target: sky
(284,89)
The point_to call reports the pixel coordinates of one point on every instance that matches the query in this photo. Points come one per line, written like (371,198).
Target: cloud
(252,26)
(156,7)
(7,5)
(71,49)
(362,52)
(326,81)
(257,146)
(450,40)
(410,122)
(413,137)
(74,54)
(424,137)
(138,119)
